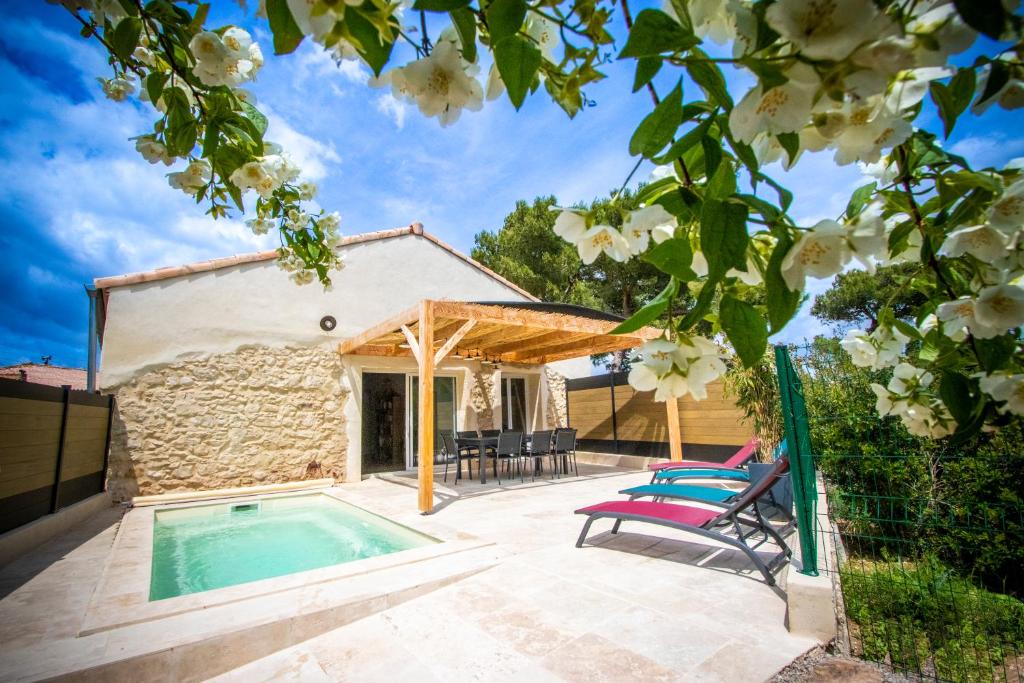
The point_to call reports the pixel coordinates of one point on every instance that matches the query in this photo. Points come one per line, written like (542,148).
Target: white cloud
(988,150)
(392,108)
(312,156)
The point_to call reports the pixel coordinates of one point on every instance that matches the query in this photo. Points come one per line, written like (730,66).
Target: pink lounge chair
(703,522)
(736,460)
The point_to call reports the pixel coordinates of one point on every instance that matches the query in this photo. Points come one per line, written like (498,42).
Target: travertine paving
(644,605)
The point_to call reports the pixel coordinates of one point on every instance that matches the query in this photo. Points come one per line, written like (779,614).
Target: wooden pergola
(497,333)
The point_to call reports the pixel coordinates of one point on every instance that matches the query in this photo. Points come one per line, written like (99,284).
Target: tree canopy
(858,297)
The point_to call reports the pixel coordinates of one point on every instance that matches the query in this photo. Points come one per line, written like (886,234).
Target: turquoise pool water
(212,546)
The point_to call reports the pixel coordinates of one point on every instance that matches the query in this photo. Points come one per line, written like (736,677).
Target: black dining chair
(565,449)
(510,451)
(490,432)
(539,446)
(451,453)
(468,449)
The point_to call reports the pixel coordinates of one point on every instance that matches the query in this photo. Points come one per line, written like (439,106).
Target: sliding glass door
(513,403)
(445,408)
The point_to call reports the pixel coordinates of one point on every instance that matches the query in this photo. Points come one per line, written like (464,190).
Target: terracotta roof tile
(52,375)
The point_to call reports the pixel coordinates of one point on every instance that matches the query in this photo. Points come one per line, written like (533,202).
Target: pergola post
(426,407)
(675,440)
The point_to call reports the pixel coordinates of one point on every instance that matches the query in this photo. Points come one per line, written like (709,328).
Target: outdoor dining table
(480,443)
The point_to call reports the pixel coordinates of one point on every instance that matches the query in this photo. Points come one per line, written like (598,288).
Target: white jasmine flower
(663,171)
(303,277)
(195,176)
(1005,388)
(1000,307)
(495,86)
(1007,212)
(545,34)
(237,43)
(676,369)
(826,29)
(153,151)
(443,84)
(257,176)
(330,222)
(144,55)
(207,46)
(931,322)
(652,220)
(117,89)
(602,238)
(643,378)
(939,33)
(887,56)
(307,190)
(699,264)
(867,132)
(570,225)
(261,226)
(980,241)
(959,316)
(714,19)
(867,235)
(880,349)
(660,355)
(907,397)
(911,86)
(821,252)
(229,60)
(785,108)
(750,276)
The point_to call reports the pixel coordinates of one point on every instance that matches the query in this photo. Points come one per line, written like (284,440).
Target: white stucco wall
(155,323)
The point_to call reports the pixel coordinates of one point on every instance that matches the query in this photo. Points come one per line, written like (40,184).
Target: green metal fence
(928,539)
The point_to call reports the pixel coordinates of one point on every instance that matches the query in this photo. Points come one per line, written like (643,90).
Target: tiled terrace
(645,605)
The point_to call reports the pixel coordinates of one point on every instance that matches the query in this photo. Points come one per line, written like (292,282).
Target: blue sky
(78,202)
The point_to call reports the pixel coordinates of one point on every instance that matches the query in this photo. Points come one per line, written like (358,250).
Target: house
(44,373)
(227,374)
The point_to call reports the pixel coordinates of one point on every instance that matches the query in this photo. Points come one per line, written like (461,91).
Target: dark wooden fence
(611,417)
(54,444)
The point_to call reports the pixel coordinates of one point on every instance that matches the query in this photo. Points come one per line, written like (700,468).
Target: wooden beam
(675,439)
(533,342)
(426,407)
(411,340)
(518,317)
(575,349)
(504,334)
(388,350)
(380,329)
(453,340)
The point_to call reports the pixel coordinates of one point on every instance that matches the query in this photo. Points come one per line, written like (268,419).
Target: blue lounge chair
(667,475)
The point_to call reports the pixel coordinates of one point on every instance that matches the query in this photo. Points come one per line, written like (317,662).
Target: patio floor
(645,605)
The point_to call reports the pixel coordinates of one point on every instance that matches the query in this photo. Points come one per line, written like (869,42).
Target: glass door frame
(412,421)
(506,399)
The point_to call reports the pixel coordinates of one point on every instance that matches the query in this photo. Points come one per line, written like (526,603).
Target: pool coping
(121,596)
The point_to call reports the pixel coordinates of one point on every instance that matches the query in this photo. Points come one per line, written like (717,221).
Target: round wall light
(328,323)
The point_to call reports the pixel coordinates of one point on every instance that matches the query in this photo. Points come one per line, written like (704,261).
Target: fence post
(55,496)
(615,423)
(801,461)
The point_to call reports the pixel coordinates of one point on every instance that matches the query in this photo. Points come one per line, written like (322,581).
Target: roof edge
(166,273)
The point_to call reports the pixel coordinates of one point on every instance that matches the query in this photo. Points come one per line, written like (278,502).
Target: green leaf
(782,303)
(504,18)
(708,76)
(440,5)
(655,33)
(713,157)
(701,306)
(985,16)
(791,143)
(650,312)
(998,75)
(673,257)
(723,236)
(518,60)
(155,82)
(657,129)
(995,353)
(465,25)
(680,146)
(745,327)
(371,49)
(646,69)
(256,116)
(953,99)
(859,199)
(959,396)
(722,184)
(126,37)
(287,35)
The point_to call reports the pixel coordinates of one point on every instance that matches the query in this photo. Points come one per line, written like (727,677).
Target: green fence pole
(801,461)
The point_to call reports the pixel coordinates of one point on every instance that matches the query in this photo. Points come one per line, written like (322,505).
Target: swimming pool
(204,547)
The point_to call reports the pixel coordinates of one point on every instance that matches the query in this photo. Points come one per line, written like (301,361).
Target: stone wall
(483,395)
(556,407)
(257,415)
